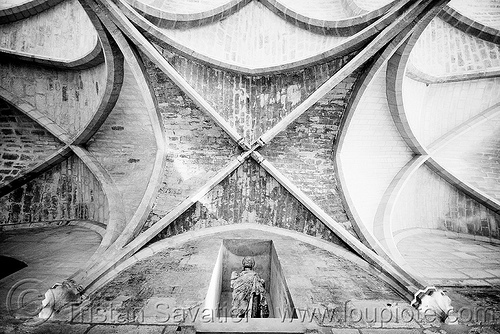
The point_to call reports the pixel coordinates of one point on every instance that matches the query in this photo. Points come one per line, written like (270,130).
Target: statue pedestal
(267,266)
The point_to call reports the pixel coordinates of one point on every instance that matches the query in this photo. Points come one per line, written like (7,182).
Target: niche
(267,265)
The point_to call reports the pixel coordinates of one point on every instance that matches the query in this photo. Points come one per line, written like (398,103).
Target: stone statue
(59,296)
(432,301)
(249,293)
(438,303)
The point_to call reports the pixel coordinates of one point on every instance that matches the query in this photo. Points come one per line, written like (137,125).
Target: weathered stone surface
(250,195)
(23,143)
(304,151)
(69,191)
(68,98)
(177,280)
(196,147)
(253,104)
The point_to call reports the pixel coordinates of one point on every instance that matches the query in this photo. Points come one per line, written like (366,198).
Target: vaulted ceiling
(149,119)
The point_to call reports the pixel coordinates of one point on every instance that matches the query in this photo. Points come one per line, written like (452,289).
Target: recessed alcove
(267,265)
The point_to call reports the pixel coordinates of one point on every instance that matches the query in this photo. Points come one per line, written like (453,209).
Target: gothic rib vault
(351,126)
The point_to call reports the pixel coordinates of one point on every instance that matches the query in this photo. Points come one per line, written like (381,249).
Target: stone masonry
(23,143)
(253,104)
(68,98)
(196,147)
(250,195)
(68,191)
(167,127)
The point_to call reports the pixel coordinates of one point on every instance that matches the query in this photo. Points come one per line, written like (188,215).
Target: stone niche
(267,265)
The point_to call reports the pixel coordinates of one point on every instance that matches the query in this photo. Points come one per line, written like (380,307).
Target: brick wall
(474,156)
(428,201)
(63,32)
(125,144)
(68,191)
(373,151)
(69,98)
(253,104)
(304,151)
(249,195)
(196,147)
(23,143)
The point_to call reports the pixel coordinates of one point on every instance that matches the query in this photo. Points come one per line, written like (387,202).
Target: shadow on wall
(68,191)
(430,202)
(479,225)
(9,265)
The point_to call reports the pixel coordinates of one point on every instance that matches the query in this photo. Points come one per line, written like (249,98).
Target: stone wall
(23,143)
(196,147)
(249,195)
(178,278)
(428,201)
(69,98)
(253,104)
(69,191)
(304,152)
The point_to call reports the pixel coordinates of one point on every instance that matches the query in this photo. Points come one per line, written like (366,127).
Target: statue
(249,293)
(432,301)
(59,296)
